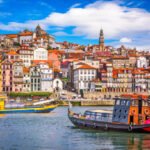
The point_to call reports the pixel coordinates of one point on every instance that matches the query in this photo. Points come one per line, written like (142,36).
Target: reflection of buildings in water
(2,115)
(118,140)
(139,142)
(127,141)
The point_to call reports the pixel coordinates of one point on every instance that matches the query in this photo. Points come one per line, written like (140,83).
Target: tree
(81,93)
(16,44)
(49,47)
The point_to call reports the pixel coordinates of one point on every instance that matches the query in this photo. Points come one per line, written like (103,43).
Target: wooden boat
(39,107)
(131,113)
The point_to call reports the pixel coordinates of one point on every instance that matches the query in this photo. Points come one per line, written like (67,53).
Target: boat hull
(45,109)
(108,126)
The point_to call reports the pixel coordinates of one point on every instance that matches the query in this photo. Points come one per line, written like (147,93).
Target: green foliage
(29,94)
(16,44)
(49,47)
(65,79)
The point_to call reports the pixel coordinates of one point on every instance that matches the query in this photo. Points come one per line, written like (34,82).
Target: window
(128,103)
(123,102)
(134,103)
(118,102)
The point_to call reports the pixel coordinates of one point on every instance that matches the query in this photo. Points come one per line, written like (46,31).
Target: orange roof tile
(86,67)
(25,70)
(56,51)
(119,57)
(26,33)
(12,52)
(12,35)
(56,70)
(135,96)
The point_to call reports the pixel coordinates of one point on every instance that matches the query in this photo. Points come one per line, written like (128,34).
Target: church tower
(101,41)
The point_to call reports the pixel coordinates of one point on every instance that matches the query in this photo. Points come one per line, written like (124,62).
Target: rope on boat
(106,127)
(130,128)
(95,125)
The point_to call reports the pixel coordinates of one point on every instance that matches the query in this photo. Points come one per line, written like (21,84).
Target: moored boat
(39,107)
(131,113)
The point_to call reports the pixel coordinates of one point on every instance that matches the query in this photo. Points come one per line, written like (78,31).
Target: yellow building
(0,74)
(2,101)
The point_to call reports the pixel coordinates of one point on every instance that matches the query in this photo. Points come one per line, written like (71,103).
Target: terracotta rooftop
(26,70)
(12,52)
(26,33)
(119,57)
(86,67)
(12,35)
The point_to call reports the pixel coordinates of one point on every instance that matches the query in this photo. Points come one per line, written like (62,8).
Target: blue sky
(125,22)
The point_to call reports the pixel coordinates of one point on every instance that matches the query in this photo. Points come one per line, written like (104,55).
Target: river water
(53,131)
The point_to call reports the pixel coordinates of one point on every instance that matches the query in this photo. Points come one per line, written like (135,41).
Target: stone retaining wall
(98,103)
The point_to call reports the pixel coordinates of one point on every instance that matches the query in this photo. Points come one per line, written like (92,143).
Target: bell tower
(101,41)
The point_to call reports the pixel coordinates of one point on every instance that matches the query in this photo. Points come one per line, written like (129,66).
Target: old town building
(26,55)
(26,80)
(46,77)
(17,75)
(7,75)
(40,54)
(83,75)
(35,74)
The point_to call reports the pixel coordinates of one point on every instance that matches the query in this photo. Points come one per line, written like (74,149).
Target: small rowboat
(38,107)
(29,109)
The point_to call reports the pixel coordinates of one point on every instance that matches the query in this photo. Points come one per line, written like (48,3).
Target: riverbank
(88,103)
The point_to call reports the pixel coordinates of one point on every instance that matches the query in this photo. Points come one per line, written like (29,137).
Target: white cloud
(75,5)
(46,5)
(125,40)
(117,21)
(61,33)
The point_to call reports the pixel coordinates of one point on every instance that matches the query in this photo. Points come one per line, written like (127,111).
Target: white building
(17,75)
(26,80)
(26,54)
(40,54)
(46,77)
(26,37)
(83,75)
(35,74)
(142,62)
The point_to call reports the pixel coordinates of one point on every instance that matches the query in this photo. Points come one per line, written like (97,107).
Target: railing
(107,118)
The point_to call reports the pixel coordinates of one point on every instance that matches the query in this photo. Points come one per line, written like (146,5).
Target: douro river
(54,131)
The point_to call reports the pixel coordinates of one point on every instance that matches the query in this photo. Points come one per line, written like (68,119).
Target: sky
(125,22)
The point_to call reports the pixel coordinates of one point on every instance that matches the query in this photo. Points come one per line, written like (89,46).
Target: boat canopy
(100,111)
(43,102)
